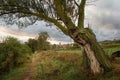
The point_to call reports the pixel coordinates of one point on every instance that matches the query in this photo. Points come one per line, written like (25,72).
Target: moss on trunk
(87,40)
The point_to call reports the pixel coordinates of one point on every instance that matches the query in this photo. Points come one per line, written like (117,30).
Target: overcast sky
(103,17)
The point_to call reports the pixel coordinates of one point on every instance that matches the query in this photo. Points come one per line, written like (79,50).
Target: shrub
(12,54)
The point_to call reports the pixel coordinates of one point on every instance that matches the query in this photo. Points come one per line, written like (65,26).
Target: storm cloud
(103,17)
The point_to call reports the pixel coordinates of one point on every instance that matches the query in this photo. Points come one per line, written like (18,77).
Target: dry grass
(66,57)
(50,65)
(116,66)
(57,66)
(67,66)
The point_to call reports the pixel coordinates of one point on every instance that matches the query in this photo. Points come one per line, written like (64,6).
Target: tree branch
(54,21)
(60,8)
(81,14)
(76,3)
(39,15)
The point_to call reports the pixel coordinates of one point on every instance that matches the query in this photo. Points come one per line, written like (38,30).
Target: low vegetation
(12,54)
(17,73)
(56,65)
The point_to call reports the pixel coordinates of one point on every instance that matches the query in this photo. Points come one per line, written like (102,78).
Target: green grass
(57,66)
(109,51)
(60,65)
(67,66)
(15,74)
(70,51)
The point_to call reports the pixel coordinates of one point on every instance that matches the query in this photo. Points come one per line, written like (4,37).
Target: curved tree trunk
(98,61)
(94,64)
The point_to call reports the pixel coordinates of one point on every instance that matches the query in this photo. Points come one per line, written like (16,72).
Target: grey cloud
(104,19)
(111,13)
(112,5)
(40,26)
(52,31)
(112,19)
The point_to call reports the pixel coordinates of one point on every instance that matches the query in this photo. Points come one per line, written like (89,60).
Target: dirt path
(31,72)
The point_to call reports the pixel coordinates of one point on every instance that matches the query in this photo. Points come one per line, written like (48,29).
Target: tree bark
(85,61)
(98,61)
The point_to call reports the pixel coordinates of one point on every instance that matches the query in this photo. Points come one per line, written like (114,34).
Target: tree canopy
(65,14)
(40,43)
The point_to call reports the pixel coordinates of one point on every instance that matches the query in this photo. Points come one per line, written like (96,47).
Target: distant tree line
(41,43)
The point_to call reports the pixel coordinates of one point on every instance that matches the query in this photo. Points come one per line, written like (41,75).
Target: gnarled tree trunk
(98,61)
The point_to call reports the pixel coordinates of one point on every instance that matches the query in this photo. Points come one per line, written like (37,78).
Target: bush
(12,54)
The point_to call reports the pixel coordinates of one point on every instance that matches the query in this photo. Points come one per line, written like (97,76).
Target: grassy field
(71,51)
(60,65)
(108,51)
(67,66)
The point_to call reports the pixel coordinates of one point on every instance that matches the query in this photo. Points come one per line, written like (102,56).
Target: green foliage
(40,43)
(68,11)
(33,44)
(43,44)
(45,8)
(12,53)
(15,74)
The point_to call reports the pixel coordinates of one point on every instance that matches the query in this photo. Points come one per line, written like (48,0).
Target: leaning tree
(68,16)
